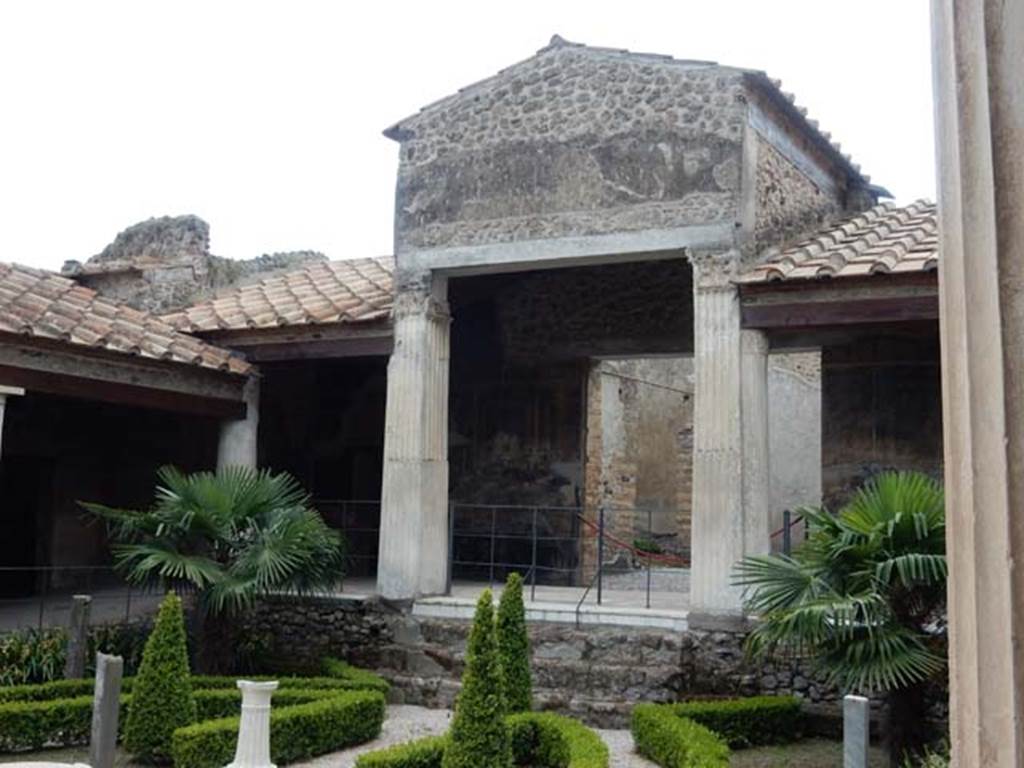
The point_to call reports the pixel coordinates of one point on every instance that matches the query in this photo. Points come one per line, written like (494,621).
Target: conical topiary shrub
(514,647)
(479,736)
(162,695)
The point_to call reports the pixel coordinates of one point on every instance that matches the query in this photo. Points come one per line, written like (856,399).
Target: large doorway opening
(526,483)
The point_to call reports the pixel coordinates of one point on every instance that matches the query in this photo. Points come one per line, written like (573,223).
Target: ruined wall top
(164,263)
(164,240)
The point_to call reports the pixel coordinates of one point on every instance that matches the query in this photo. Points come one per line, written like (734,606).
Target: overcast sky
(265,118)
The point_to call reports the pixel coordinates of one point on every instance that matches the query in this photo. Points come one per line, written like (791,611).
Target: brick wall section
(639,449)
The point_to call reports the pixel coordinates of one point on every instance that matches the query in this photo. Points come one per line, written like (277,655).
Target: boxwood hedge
(539,739)
(337,674)
(60,713)
(749,722)
(675,742)
(699,733)
(329,722)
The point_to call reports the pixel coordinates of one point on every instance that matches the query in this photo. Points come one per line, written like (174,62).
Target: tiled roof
(39,304)
(883,240)
(355,291)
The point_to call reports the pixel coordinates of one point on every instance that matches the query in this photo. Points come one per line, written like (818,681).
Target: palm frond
(862,596)
(234,535)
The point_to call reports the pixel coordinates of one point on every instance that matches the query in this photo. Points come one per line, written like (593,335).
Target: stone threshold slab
(561,613)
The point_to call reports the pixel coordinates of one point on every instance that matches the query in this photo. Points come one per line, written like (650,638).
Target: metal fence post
(533,560)
(650,539)
(600,553)
(451,547)
(787,542)
(42,600)
(494,527)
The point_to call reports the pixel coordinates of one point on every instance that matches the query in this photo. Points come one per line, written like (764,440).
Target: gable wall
(797,188)
(571,143)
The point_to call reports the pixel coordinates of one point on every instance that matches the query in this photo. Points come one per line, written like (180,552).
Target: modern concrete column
(979,98)
(6,392)
(238,443)
(414,503)
(730,425)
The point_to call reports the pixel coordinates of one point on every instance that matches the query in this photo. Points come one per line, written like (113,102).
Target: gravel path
(404,723)
(620,744)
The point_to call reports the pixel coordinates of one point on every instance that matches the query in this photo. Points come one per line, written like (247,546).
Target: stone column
(6,392)
(979,98)
(730,425)
(253,747)
(105,710)
(78,637)
(414,502)
(238,443)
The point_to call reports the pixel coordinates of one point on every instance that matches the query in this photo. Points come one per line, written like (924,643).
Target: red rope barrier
(667,559)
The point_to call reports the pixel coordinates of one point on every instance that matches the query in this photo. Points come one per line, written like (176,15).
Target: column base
(719,621)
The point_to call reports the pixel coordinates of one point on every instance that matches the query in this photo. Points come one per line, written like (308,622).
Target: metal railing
(41,596)
(555,546)
(359,522)
(789,522)
(489,541)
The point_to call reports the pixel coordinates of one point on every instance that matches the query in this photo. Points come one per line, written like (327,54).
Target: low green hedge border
(694,733)
(297,732)
(60,713)
(675,742)
(749,722)
(539,739)
(67,722)
(336,674)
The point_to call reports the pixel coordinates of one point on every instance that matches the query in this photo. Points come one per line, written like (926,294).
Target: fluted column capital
(420,303)
(715,270)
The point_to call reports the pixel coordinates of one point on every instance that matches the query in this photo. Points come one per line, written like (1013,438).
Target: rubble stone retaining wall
(595,673)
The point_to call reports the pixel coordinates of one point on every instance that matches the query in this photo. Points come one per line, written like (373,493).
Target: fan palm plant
(863,598)
(230,538)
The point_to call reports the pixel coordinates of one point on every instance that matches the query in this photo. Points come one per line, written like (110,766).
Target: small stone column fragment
(730,425)
(253,750)
(105,710)
(414,509)
(78,637)
(856,731)
(238,442)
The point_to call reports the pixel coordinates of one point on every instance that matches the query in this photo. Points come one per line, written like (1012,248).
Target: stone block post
(856,731)
(253,748)
(6,392)
(105,710)
(78,637)
(979,103)
(413,557)
(238,443)
(730,425)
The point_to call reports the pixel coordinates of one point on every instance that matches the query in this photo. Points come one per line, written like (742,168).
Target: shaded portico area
(94,398)
(859,298)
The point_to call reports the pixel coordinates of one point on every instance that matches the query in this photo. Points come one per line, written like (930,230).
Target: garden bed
(347,707)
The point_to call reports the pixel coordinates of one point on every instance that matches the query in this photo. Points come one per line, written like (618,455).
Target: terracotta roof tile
(356,291)
(886,239)
(44,305)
